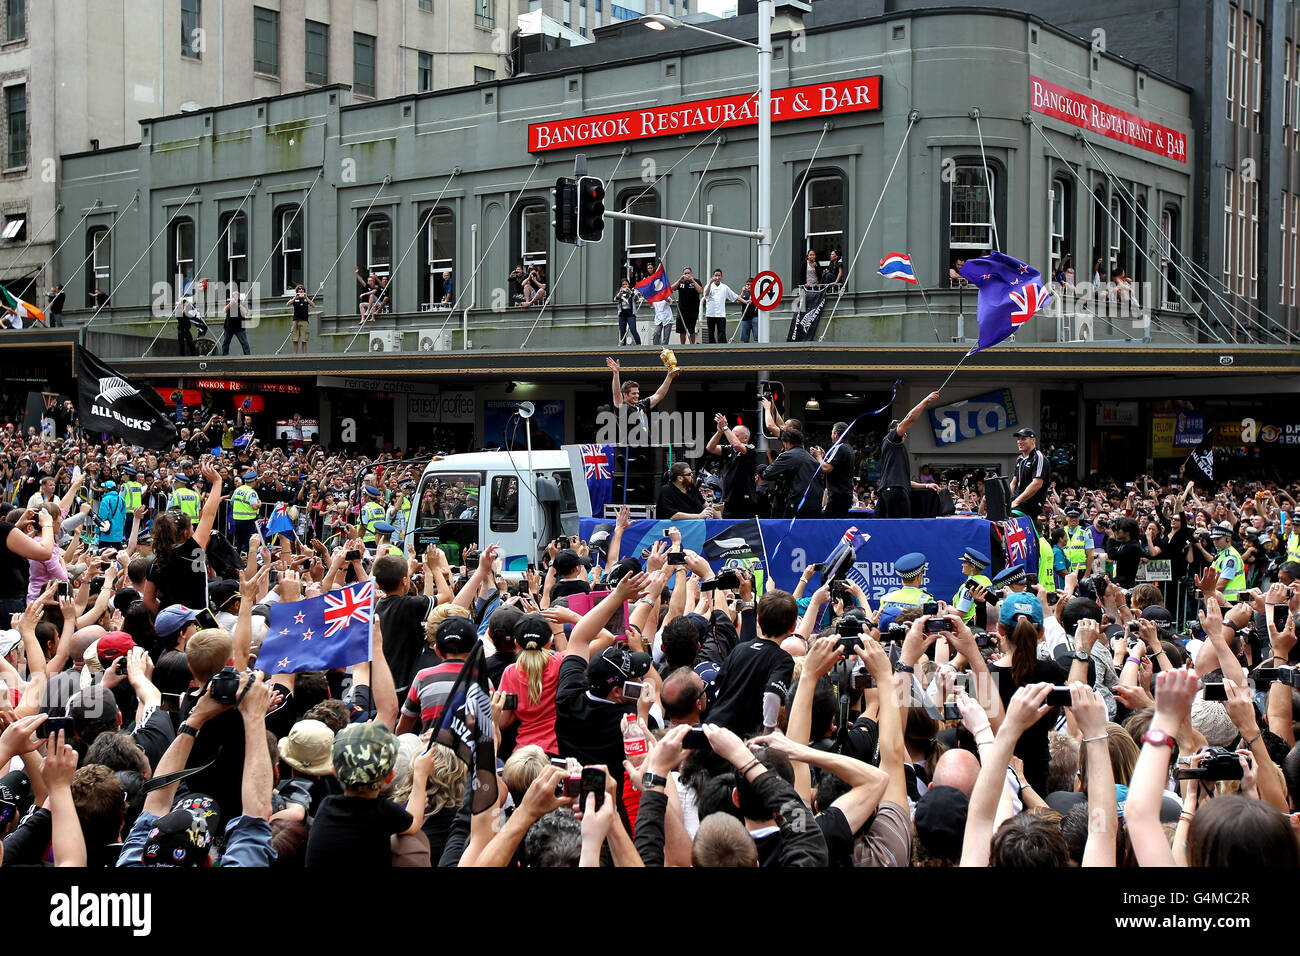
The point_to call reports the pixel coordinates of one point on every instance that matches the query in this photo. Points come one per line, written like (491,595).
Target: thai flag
(898,265)
(655,288)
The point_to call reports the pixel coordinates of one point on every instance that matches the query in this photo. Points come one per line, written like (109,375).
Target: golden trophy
(669,359)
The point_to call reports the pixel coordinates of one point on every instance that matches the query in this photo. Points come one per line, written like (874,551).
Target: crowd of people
(645,709)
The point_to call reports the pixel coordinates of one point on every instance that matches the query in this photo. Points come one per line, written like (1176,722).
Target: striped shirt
(430,691)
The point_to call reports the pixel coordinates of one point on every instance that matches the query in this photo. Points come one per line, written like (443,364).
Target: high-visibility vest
(904,597)
(403,516)
(244,503)
(187,500)
(1237,582)
(957,601)
(372,512)
(1293,547)
(1077,542)
(1046,577)
(132,494)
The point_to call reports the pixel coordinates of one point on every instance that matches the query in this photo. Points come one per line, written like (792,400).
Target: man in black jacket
(796,473)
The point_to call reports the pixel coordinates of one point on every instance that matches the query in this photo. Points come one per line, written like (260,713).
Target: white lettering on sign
(972,420)
(1080,110)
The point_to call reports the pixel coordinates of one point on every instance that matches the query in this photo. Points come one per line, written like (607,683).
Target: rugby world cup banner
(941,540)
(702,116)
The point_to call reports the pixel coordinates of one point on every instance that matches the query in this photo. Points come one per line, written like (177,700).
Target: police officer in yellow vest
(911,568)
(1293,539)
(384,533)
(1227,562)
(401,512)
(372,512)
(244,508)
(1078,542)
(1013,579)
(1046,577)
(973,563)
(184,498)
(132,492)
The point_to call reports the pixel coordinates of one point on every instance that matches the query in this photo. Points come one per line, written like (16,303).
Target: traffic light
(565,210)
(591,209)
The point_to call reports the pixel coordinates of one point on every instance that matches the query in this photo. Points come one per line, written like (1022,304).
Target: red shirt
(536,719)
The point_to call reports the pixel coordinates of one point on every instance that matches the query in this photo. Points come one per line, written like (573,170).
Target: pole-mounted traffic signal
(591,209)
(565,210)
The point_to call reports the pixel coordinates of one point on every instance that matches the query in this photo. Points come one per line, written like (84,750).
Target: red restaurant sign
(792,102)
(1083,111)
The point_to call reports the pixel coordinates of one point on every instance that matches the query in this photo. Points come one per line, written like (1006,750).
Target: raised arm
(1174,692)
(914,415)
(662,391)
(1089,713)
(615,366)
(208,517)
(588,629)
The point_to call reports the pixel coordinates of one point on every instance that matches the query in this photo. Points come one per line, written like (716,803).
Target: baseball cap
(566,561)
(108,485)
(112,646)
(941,820)
(9,639)
(182,837)
(534,630)
(1026,432)
(621,570)
(172,619)
(1019,604)
(222,593)
(308,748)
(600,535)
(456,634)
(15,795)
(363,754)
(614,666)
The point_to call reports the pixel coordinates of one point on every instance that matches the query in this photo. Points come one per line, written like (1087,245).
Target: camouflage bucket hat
(363,754)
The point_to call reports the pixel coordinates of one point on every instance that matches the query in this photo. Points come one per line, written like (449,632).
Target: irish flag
(25,309)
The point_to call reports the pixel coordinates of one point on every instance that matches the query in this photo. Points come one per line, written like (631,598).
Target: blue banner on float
(941,540)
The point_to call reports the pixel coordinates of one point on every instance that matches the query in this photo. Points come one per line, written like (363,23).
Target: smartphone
(950,711)
(353,555)
(53,725)
(273,577)
(511,702)
(205,619)
(532,567)
(1058,697)
(930,607)
(632,690)
(1280,612)
(1216,691)
(696,739)
(63,589)
(592,781)
(676,557)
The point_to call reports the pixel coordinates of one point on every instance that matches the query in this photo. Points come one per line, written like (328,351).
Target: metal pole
(682,224)
(766,11)
(473,257)
(532,482)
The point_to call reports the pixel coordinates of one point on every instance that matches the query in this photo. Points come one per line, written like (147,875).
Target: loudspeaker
(997,497)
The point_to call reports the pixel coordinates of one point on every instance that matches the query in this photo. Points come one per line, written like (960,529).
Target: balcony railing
(891,317)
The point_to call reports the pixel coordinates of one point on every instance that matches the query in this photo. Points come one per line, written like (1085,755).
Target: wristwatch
(649,780)
(904,668)
(1158,738)
(187,729)
(1081,655)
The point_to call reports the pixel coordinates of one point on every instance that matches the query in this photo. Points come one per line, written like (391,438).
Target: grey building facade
(456,183)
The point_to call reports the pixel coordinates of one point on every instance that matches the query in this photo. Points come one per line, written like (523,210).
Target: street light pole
(766,11)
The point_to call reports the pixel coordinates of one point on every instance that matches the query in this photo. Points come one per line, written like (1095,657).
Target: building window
(1259,71)
(1139,271)
(15,228)
(970,211)
(15,20)
(99,252)
(1254,239)
(377,251)
(439,241)
(234,258)
(1168,271)
(1060,243)
(180,269)
(1115,246)
(363,64)
(317,52)
(424,74)
(1286,94)
(483,15)
(191,34)
(16,118)
(266,41)
(1243,49)
(1230,75)
(640,254)
(1295,248)
(1227,227)
(1295,97)
(426,5)
(534,234)
(289,232)
(483,75)
(823,222)
(1286,251)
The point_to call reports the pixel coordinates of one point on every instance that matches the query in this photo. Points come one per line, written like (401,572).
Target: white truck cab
(484,497)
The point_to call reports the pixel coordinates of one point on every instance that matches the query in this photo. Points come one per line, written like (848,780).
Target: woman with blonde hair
(533,679)
(444,793)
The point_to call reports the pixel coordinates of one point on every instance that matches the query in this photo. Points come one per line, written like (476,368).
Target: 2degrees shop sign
(702,116)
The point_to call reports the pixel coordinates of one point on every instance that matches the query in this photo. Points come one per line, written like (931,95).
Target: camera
(696,739)
(511,702)
(861,679)
(224,686)
(985,639)
(950,711)
(1217,763)
(290,792)
(726,581)
(676,558)
(1216,691)
(353,555)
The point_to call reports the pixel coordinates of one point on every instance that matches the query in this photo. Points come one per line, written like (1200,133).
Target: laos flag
(655,288)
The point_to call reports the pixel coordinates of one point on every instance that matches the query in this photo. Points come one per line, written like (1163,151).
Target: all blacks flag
(108,402)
